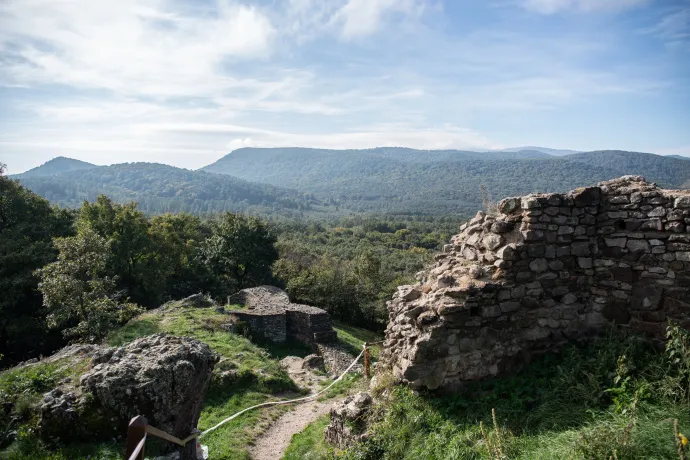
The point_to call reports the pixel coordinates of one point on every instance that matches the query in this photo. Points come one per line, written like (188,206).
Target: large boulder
(164,378)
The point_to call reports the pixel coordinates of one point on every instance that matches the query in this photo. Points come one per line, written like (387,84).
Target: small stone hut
(272,317)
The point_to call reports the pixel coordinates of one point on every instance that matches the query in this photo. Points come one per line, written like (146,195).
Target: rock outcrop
(163,378)
(546,269)
(348,420)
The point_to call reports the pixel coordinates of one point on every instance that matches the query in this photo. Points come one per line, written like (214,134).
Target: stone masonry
(271,316)
(547,269)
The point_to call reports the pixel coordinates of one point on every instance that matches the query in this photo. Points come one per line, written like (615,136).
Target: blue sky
(183,82)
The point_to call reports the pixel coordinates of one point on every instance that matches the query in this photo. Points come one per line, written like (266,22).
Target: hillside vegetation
(58,165)
(401,180)
(614,398)
(160,188)
(74,275)
(312,183)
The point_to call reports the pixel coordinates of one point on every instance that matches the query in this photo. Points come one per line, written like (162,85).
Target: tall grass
(615,398)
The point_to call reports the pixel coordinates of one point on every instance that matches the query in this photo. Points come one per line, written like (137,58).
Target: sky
(184,82)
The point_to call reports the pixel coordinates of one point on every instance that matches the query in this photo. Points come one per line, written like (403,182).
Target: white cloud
(586,6)
(360,18)
(128,46)
(674,27)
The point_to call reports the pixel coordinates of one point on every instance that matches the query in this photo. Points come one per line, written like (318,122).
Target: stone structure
(163,378)
(348,420)
(270,316)
(546,269)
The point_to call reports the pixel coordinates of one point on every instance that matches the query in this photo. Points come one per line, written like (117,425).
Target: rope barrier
(279,403)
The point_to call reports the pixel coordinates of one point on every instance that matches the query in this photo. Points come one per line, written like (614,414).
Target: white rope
(278,403)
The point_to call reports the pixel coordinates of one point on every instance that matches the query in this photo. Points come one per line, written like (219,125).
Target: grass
(258,378)
(579,404)
(346,385)
(308,444)
(353,338)
(21,390)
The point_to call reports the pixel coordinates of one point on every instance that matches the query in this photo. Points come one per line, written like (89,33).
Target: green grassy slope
(616,393)
(258,378)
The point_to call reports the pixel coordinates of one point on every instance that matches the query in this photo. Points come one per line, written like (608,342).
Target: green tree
(240,251)
(27,225)
(80,298)
(134,257)
(178,238)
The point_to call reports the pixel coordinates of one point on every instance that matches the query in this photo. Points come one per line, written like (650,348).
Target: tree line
(72,275)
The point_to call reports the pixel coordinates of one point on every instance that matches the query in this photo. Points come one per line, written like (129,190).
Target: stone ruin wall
(545,270)
(272,317)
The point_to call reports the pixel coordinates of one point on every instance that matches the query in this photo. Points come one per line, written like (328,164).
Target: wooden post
(135,433)
(367,361)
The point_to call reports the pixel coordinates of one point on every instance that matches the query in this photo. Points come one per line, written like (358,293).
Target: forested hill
(665,170)
(292,181)
(58,165)
(159,188)
(438,182)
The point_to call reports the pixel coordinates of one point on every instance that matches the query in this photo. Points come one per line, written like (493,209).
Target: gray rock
(539,265)
(508,205)
(59,416)
(313,362)
(501,226)
(507,252)
(682,202)
(197,301)
(638,246)
(348,420)
(163,378)
(492,241)
(580,248)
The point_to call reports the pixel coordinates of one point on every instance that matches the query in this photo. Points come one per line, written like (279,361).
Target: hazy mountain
(548,151)
(288,181)
(161,188)
(432,182)
(666,171)
(58,165)
(678,157)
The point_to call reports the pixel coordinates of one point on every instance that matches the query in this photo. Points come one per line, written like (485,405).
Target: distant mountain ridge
(161,188)
(58,165)
(548,151)
(435,182)
(397,180)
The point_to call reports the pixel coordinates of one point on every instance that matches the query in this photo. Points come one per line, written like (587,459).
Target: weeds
(612,399)
(494,441)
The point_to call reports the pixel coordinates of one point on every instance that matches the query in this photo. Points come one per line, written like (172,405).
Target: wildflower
(683,439)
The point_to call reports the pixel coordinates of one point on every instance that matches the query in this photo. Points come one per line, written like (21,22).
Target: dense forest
(326,184)
(438,182)
(76,274)
(159,188)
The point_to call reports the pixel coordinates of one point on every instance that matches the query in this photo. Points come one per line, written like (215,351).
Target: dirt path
(271,445)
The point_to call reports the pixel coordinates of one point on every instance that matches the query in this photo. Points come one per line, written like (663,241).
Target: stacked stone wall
(263,325)
(271,316)
(545,270)
(309,324)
